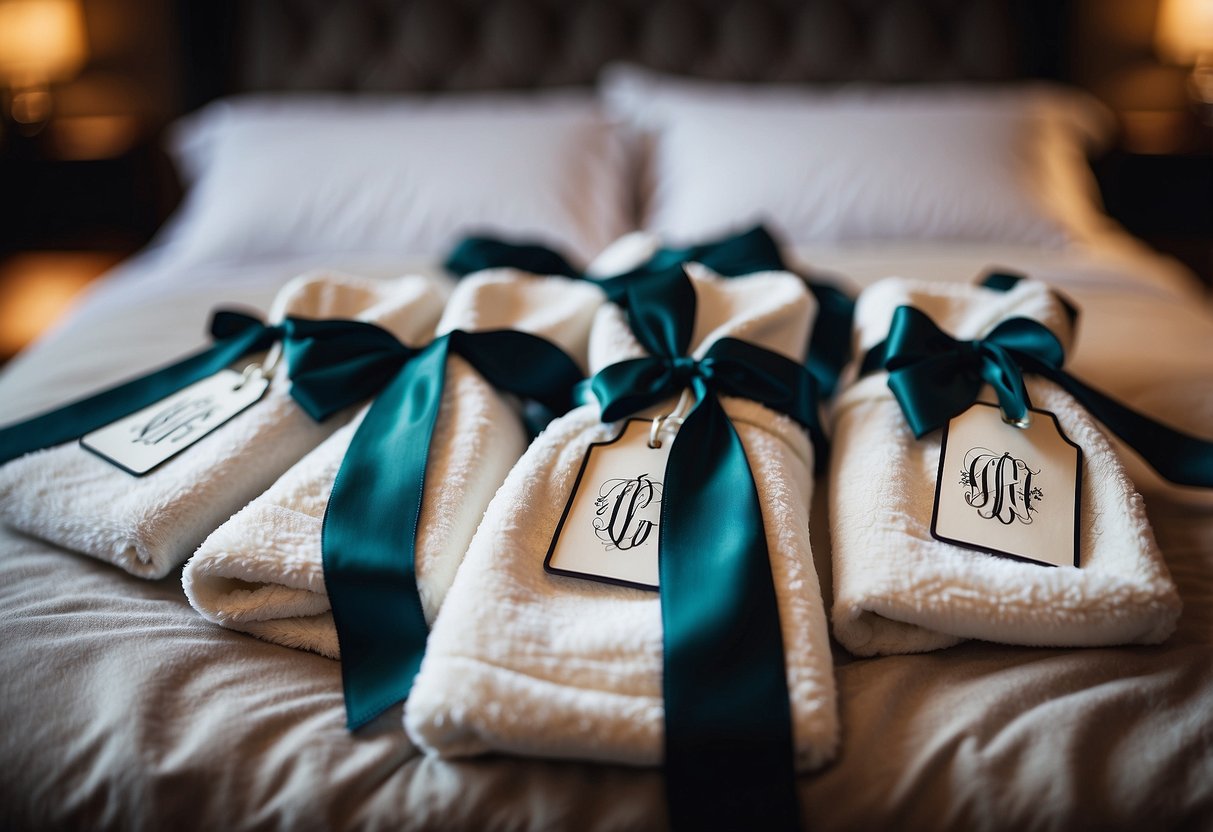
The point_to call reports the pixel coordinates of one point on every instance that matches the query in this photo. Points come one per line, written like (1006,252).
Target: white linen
(531,663)
(262,571)
(898,590)
(114,692)
(150,524)
(284,176)
(864,163)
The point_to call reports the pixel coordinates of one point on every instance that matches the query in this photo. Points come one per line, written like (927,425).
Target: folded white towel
(148,525)
(898,590)
(262,571)
(528,662)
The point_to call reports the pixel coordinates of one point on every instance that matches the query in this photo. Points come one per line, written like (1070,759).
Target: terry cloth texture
(526,662)
(262,572)
(898,590)
(149,525)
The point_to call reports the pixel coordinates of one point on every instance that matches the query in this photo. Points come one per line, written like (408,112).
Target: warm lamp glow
(1185,30)
(40,41)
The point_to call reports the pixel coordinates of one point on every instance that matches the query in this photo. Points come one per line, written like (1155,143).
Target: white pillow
(279,176)
(990,164)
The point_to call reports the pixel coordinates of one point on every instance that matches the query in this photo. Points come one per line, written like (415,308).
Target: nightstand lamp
(41,42)
(1184,35)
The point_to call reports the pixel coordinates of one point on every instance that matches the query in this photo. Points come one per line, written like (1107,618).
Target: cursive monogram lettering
(176,422)
(617,521)
(1000,486)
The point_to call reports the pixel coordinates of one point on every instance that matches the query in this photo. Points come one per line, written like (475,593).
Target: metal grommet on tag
(263,370)
(1022,424)
(673,420)
(251,372)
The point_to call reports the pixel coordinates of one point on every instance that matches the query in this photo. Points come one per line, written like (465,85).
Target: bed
(122,708)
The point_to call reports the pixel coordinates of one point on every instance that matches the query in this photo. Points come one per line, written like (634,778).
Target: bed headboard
(438,45)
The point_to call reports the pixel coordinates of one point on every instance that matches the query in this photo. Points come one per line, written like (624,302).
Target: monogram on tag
(610,527)
(1007,490)
(145,439)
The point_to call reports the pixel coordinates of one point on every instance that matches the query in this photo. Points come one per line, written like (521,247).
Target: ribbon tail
(83,416)
(521,363)
(369,540)
(729,757)
(830,343)
(1177,456)
(474,254)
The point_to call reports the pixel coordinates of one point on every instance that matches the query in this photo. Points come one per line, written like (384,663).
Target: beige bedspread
(121,708)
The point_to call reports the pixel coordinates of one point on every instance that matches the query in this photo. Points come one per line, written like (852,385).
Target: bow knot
(935,376)
(684,370)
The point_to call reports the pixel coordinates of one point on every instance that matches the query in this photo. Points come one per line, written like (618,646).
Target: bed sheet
(122,708)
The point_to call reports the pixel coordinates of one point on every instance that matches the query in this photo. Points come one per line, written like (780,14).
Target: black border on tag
(568,507)
(175,453)
(943,446)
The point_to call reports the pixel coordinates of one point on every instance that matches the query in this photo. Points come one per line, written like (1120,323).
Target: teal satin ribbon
(236,336)
(729,752)
(750,251)
(370,525)
(935,377)
(332,364)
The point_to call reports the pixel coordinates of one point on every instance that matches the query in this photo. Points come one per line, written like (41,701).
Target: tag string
(935,377)
(729,749)
(670,422)
(753,250)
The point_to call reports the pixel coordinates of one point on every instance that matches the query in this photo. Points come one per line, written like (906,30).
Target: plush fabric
(526,662)
(262,571)
(148,525)
(898,590)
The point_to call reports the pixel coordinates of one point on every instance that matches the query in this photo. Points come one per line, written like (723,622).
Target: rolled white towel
(532,663)
(262,571)
(899,590)
(149,525)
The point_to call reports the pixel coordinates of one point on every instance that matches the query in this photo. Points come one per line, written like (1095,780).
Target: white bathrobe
(262,572)
(898,590)
(149,525)
(527,662)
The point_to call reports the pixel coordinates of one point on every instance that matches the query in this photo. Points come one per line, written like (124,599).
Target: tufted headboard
(435,45)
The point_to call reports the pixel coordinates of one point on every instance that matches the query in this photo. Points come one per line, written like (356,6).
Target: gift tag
(1008,490)
(145,439)
(609,529)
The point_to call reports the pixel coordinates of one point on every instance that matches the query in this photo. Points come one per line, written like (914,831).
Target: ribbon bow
(747,252)
(935,377)
(370,524)
(236,335)
(728,724)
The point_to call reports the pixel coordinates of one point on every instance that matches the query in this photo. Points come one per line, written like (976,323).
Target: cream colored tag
(145,439)
(610,527)
(1007,490)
